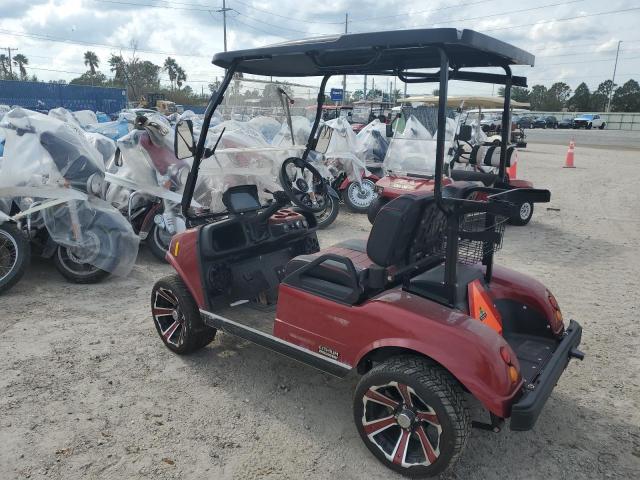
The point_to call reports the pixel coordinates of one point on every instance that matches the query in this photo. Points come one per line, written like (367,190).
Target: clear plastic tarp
(51,169)
(373,142)
(413,150)
(344,152)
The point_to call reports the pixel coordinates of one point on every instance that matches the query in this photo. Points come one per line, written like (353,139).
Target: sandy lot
(89,391)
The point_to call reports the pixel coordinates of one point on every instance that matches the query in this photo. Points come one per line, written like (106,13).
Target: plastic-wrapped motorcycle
(50,179)
(145,181)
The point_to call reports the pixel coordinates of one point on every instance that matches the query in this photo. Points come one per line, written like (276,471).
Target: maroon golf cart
(419,309)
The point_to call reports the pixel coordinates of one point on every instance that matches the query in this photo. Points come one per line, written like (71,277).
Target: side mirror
(389,130)
(466,131)
(183,144)
(324,139)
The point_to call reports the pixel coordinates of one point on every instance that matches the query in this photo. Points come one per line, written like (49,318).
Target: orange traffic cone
(568,163)
(513,169)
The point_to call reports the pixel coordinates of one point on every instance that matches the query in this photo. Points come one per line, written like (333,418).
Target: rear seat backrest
(492,156)
(392,233)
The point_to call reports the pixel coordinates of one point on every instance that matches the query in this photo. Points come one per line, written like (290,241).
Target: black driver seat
(392,244)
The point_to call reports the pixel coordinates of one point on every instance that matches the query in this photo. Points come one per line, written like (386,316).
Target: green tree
(171,67)
(581,99)
(357,95)
(557,96)
(626,98)
(374,93)
(181,76)
(20,61)
(537,97)
(91,60)
(518,94)
(4,66)
(214,86)
(600,97)
(118,67)
(97,79)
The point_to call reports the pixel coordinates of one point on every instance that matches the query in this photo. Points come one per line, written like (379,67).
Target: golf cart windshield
(259,124)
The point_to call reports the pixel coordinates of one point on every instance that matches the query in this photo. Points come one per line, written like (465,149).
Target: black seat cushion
(488,179)
(392,232)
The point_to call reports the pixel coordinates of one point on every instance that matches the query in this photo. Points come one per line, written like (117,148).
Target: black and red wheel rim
(401,425)
(168,316)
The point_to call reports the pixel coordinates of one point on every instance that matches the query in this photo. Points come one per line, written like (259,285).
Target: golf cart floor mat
(250,314)
(533,353)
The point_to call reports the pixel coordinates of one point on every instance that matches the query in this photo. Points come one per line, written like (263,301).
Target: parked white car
(589,121)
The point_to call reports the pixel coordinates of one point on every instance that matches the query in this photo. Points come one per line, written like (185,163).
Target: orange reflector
(513,374)
(176,249)
(559,316)
(481,307)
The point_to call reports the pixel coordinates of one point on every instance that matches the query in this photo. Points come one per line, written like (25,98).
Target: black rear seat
(488,179)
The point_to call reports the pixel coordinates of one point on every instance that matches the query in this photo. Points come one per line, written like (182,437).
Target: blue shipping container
(45,96)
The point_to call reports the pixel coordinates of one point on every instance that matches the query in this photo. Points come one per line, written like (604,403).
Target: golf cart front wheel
(411,416)
(525,212)
(15,253)
(177,318)
(358,197)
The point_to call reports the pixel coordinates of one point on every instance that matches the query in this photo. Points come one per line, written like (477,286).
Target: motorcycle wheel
(74,269)
(158,241)
(358,197)
(15,254)
(329,214)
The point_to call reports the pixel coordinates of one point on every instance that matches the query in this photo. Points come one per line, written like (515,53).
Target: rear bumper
(526,410)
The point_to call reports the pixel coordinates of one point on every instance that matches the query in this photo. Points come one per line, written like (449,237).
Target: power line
(49,38)
(566,19)
(292,18)
(203,8)
(413,13)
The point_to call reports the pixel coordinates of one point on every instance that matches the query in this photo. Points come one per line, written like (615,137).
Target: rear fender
(477,365)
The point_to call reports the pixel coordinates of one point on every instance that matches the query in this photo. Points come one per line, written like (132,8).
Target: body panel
(183,256)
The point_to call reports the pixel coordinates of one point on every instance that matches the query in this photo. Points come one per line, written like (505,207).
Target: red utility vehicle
(419,309)
(480,155)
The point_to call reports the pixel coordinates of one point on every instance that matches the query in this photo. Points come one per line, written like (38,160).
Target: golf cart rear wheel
(525,212)
(177,318)
(15,254)
(411,416)
(358,198)
(76,271)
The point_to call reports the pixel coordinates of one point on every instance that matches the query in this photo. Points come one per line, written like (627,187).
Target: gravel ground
(89,391)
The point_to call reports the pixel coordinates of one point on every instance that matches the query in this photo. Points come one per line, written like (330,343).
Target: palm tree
(181,76)
(4,66)
(91,60)
(20,61)
(171,67)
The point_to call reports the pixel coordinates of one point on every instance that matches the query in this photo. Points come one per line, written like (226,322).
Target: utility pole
(364,92)
(10,60)
(224,11)
(613,80)
(344,77)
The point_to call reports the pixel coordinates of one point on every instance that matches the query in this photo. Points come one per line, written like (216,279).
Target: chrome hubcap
(525,211)
(401,425)
(362,195)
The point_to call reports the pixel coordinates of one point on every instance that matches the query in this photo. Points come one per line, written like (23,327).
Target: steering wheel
(304,185)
